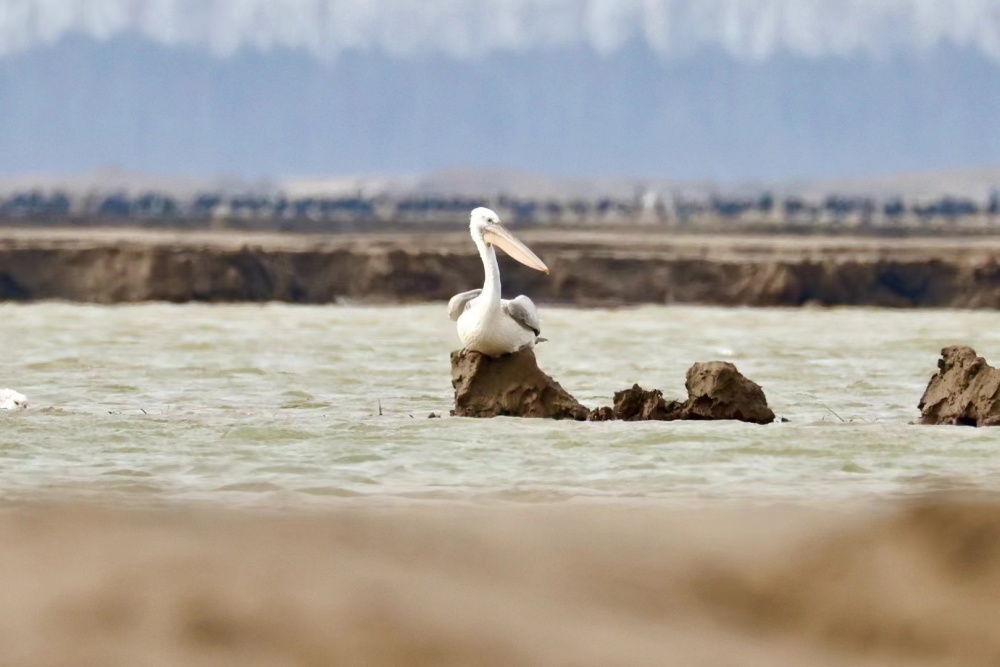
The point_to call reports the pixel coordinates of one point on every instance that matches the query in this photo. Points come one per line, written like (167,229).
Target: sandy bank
(522,586)
(590,268)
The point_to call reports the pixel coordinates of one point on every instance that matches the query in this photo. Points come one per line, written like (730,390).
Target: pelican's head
(485,225)
(12,400)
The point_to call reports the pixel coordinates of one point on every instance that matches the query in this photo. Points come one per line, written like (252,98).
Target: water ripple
(197,402)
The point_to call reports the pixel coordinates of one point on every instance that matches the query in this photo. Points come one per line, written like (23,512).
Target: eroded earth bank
(588,268)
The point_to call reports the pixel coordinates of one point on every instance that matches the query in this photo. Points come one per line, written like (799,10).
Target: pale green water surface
(279,405)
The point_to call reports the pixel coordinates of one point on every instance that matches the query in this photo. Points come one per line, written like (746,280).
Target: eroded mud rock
(637,404)
(965,391)
(511,385)
(603,414)
(717,390)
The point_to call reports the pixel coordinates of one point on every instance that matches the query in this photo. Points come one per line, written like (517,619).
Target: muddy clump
(964,392)
(716,391)
(508,386)
(638,404)
(514,386)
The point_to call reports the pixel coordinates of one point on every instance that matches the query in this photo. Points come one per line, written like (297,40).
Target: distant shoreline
(708,225)
(626,218)
(593,267)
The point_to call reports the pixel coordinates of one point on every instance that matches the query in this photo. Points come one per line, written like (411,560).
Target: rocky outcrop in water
(637,404)
(716,391)
(514,386)
(508,386)
(965,391)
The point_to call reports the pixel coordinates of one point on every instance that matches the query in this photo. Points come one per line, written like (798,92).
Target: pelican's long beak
(503,239)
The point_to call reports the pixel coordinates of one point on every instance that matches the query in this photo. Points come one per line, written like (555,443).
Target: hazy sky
(750,29)
(773,89)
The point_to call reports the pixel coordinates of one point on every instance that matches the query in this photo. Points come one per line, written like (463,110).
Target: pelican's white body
(486,327)
(488,324)
(12,400)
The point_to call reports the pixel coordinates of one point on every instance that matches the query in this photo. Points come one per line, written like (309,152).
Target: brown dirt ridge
(588,268)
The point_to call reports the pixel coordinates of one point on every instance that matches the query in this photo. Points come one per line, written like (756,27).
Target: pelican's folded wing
(460,301)
(523,311)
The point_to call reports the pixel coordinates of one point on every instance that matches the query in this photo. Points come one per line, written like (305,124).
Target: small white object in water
(12,400)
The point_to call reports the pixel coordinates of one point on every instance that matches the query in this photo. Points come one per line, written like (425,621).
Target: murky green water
(279,405)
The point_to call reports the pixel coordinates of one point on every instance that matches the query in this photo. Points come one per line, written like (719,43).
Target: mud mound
(965,391)
(514,386)
(511,385)
(638,404)
(716,390)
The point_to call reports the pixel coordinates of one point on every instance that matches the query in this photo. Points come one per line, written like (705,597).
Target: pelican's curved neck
(491,286)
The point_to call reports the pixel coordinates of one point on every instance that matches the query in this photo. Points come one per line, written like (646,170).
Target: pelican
(487,323)
(12,400)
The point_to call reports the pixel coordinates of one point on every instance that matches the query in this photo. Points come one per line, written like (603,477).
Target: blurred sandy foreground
(913,584)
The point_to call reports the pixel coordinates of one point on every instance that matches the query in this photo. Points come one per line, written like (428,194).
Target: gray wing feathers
(522,310)
(459,301)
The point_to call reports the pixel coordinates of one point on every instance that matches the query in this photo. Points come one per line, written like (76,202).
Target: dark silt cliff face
(588,268)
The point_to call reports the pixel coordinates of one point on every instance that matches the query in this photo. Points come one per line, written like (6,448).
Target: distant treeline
(644,208)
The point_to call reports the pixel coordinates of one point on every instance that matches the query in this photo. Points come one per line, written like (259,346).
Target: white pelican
(487,323)
(12,400)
